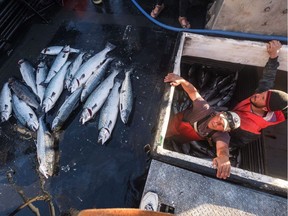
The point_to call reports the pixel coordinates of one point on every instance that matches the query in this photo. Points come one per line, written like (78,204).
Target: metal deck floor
(88,175)
(194,194)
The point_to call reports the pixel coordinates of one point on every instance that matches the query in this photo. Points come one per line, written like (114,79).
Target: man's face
(216,123)
(259,100)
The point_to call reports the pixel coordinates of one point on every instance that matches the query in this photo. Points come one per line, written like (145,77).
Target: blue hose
(213,32)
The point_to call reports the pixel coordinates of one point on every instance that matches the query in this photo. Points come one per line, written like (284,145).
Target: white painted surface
(231,50)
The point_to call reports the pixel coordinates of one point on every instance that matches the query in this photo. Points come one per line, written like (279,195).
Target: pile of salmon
(215,85)
(89,81)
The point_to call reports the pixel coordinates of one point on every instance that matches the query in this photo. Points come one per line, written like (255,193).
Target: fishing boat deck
(90,175)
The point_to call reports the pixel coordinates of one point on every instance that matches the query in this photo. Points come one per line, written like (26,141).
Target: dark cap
(276,100)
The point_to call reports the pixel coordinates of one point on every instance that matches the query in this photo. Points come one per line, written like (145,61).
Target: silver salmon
(55,50)
(97,98)
(24,113)
(89,67)
(94,80)
(66,109)
(59,61)
(41,74)
(108,114)
(54,89)
(126,98)
(45,150)
(28,74)
(5,102)
(72,69)
(23,92)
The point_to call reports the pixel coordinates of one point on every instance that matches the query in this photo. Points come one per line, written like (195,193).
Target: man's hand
(174,79)
(273,48)
(223,166)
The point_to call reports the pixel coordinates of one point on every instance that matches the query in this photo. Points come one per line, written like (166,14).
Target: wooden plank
(231,50)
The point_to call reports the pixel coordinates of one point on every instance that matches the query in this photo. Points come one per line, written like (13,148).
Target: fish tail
(43,171)
(117,80)
(110,46)
(129,71)
(40,112)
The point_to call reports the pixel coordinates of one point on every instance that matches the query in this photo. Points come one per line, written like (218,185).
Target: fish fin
(39,112)
(110,46)
(44,84)
(86,56)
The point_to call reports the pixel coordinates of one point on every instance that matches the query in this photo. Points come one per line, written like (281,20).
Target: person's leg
(183,6)
(159,2)
(157,9)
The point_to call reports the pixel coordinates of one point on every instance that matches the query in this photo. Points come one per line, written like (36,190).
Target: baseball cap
(231,120)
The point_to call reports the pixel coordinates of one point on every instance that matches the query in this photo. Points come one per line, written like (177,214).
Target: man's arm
(222,162)
(270,69)
(176,80)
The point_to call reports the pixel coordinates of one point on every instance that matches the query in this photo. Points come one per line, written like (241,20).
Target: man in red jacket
(265,107)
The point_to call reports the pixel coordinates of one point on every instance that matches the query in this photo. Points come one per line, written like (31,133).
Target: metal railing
(14,13)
